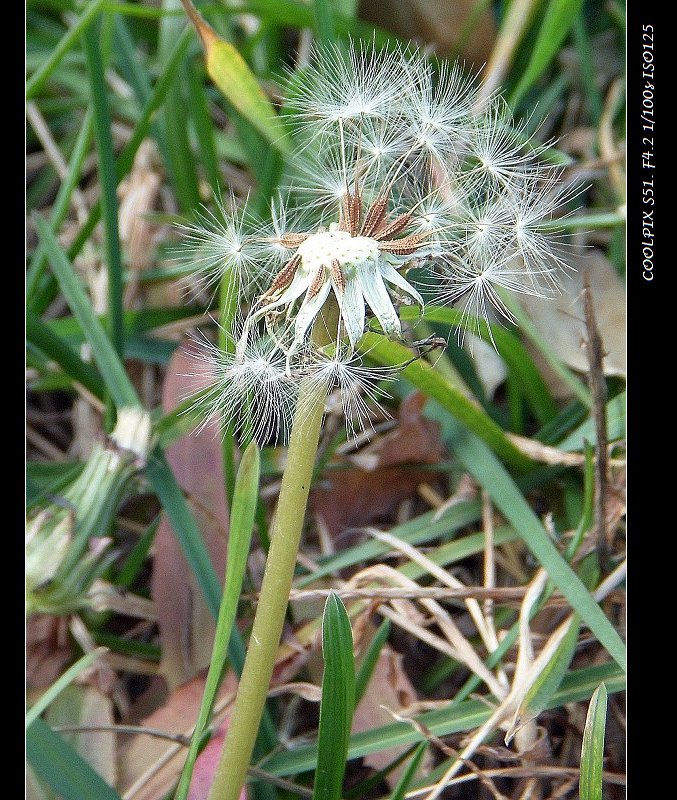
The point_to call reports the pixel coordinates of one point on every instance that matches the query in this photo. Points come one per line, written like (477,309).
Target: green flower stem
(270,613)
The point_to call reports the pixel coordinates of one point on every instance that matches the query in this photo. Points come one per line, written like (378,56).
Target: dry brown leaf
(48,649)
(206,764)
(87,706)
(439,22)
(186,625)
(388,690)
(142,752)
(138,195)
(561,321)
(349,498)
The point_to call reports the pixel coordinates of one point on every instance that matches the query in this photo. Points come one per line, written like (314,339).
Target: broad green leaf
(338,700)
(592,752)
(66,772)
(237,82)
(242,513)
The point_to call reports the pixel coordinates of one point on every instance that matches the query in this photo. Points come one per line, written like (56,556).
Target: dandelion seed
(356,384)
(248,389)
(222,242)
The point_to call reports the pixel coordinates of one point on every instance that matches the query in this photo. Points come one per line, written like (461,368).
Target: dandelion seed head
(399,168)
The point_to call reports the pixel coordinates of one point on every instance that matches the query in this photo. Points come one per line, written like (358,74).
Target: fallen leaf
(87,705)
(388,690)
(560,320)
(48,649)
(351,497)
(141,752)
(439,22)
(186,625)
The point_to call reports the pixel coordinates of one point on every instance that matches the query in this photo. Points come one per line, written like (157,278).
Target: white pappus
(397,165)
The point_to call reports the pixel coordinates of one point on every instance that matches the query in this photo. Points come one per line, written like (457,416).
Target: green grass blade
(509,348)
(455,718)
(133,70)
(37,80)
(62,201)
(577,387)
(490,473)
(422,529)
(44,480)
(184,526)
(587,69)
(588,512)
(615,426)
(547,683)
(136,321)
(300,15)
(428,380)
(163,482)
(204,128)
(366,787)
(134,561)
(174,117)
(324,21)
(370,658)
(338,700)
(111,368)
(108,182)
(42,336)
(238,84)
(592,752)
(128,647)
(407,776)
(557,22)
(66,772)
(126,157)
(241,526)
(60,684)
